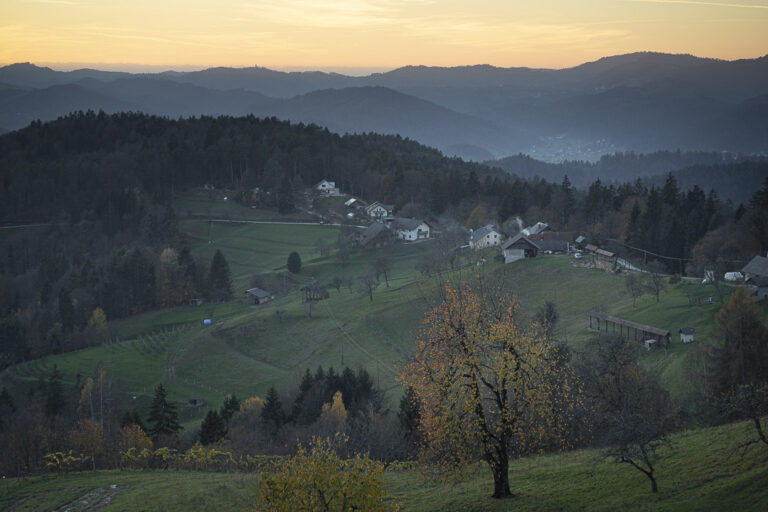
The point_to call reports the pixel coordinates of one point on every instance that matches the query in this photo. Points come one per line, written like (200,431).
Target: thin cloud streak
(700,4)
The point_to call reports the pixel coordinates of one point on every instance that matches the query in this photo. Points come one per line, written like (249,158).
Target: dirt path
(93,500)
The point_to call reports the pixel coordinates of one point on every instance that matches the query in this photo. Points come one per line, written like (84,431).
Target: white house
(686,334)
(379,212)
(483,237)
(410,229)
(328,188)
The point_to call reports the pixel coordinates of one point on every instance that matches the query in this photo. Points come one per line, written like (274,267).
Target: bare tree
(366,283)
(381,266)
(656,278)
(336,282)
(635,286)
(633,414)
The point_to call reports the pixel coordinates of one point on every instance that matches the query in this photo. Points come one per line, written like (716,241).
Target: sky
(361,36)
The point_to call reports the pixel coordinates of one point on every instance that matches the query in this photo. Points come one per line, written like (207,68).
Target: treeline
(92,425)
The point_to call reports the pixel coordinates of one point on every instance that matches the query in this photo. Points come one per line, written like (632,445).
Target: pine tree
(54,394)
(285,196)
(219,279)
(230,407)
(163,418)
(212,428)
(272,414)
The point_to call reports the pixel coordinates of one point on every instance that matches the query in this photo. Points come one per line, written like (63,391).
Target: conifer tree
(272,414)
(163,418)
(230,407)
(212,428)
(54,394)
(219,278)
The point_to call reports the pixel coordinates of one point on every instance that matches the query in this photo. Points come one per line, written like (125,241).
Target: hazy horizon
(374,34)
(344,70)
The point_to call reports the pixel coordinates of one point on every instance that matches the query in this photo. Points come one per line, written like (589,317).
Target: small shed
(195,402)
(258,296)
(686,334)
(519,247)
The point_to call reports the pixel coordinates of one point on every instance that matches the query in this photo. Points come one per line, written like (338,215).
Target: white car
(577,255)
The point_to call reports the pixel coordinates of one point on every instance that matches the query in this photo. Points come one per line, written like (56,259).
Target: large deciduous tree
(484,381)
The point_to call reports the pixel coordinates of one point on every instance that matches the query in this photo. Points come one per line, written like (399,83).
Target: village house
(258,296)
(410,229)
(328,188)
(379,212)
(483,237)
(519,247)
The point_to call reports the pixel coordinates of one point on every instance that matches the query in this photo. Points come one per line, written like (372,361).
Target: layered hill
(637,102)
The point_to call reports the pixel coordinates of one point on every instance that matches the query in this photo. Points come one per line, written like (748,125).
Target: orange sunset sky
(366,35)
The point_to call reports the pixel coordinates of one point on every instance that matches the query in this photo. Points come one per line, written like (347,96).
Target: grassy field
(250,348)
(698,472)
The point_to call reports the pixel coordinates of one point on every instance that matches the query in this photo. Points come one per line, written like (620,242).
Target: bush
(675,278)
(294,263)
(319,479)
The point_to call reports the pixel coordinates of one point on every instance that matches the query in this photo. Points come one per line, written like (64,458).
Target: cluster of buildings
(531,241)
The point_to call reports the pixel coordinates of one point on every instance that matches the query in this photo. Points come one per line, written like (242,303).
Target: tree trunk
(501,477)
(654,487)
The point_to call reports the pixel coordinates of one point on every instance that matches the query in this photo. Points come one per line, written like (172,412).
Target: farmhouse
(642,333)
(374,236)
(258,296)
(686,334)
(410,229)
(483,237)
(757,267)
(519,247)
(379,212)
(328,188)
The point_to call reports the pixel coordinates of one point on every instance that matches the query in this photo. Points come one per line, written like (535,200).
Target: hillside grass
(699,471)
(250,348)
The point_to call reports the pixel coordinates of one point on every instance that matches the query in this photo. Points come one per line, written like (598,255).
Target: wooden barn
(258,296)
(519,247)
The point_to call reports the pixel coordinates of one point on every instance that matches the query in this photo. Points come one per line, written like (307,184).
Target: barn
(519,247)
(258,296)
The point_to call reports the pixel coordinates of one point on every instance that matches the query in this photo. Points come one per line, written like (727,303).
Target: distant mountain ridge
(636,102)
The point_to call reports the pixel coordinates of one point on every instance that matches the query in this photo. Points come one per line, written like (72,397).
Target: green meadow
(248,348)
(699,471)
